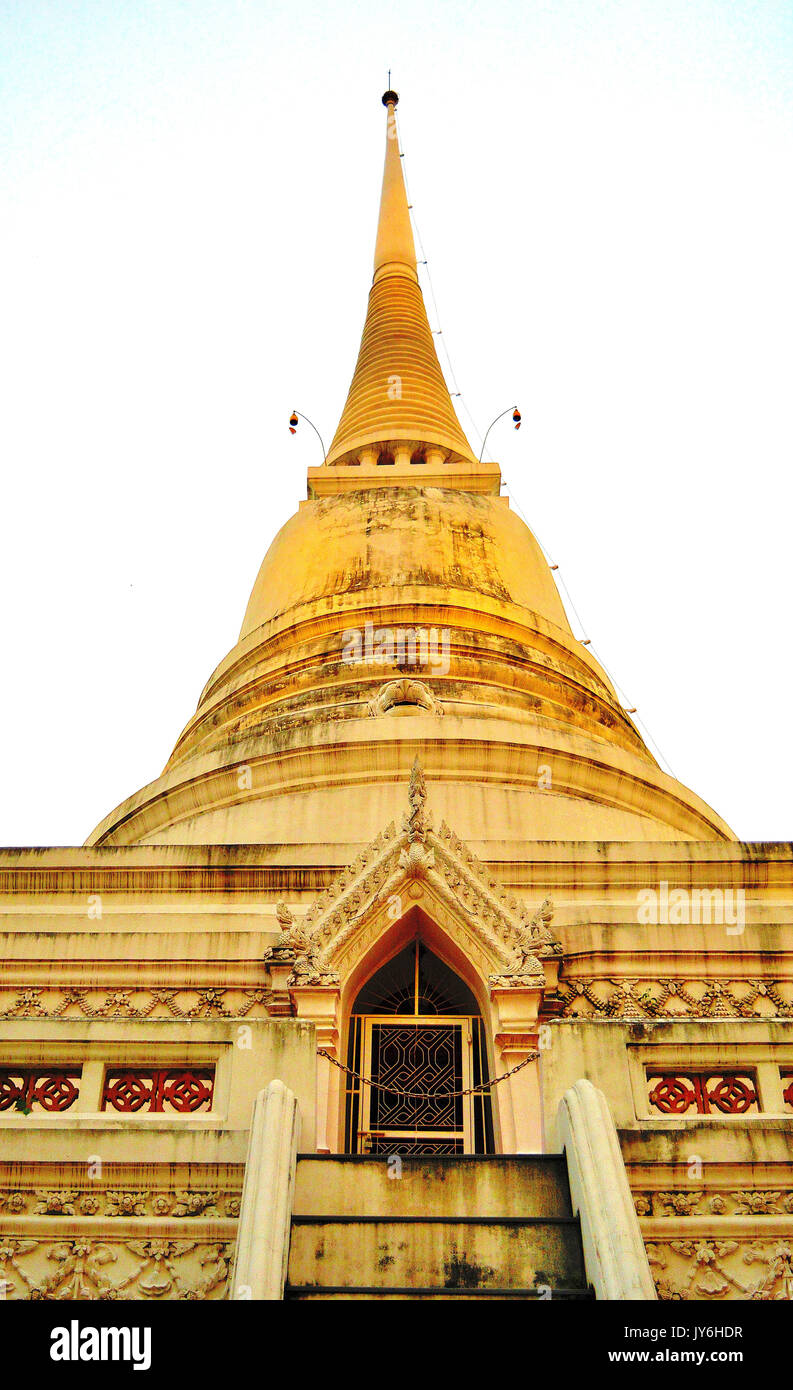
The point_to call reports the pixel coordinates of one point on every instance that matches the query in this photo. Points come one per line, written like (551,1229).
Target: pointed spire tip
(397,344)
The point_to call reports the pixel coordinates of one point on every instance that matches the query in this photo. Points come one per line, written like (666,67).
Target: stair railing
(266,1209)
(614,1254)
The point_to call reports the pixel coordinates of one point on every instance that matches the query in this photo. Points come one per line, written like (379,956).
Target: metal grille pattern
(410,1148)
(423,1059)
(415,982)
(416,1056)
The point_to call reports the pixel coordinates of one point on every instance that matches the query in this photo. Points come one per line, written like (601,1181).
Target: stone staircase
(451,1228)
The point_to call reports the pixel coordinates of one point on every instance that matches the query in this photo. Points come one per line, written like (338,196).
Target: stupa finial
(395,251)
(398,407)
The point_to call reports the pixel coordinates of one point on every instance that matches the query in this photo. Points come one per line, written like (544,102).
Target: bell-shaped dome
(457,547)
(393,621)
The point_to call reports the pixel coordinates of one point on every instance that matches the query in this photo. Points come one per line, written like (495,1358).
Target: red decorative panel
(133,1089)
(45,1088)
(787,1094)
(704,1092)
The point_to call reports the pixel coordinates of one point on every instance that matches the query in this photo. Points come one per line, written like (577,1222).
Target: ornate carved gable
(511,942)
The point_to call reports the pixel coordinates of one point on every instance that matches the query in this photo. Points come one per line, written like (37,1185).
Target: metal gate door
(416,1066)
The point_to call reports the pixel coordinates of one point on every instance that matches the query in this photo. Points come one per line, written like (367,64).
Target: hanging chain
(427,1095)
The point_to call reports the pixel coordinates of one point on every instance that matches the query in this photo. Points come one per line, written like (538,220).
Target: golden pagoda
(410,903)
(403,529)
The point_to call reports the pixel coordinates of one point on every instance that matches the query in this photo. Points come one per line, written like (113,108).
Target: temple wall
(110,1196)
(151,959)
(713,1191)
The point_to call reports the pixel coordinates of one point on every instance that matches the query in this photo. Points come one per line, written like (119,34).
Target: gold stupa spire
(395,251)
(398,407)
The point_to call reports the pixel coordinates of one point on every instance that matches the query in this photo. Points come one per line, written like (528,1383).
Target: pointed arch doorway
(416,1032)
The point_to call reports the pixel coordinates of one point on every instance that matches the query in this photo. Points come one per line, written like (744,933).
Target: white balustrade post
(614,1252)
(266,1209)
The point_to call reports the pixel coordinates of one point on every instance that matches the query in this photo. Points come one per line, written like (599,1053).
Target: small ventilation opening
(384,458)
(418,456)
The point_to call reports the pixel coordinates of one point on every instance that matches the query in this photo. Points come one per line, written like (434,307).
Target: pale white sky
(189,196)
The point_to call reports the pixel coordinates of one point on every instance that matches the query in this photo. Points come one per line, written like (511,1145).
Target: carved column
(319,1004)
(515,1035)
(281,965)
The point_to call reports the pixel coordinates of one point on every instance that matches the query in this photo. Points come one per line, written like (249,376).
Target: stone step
(460,1186)
(435,1253)
(307,1294)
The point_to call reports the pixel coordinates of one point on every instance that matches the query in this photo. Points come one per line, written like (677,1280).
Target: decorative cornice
(45,1001)
(672,998)
(567,867)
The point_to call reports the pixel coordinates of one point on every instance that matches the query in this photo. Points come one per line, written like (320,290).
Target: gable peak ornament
(508,942)
(417,821)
